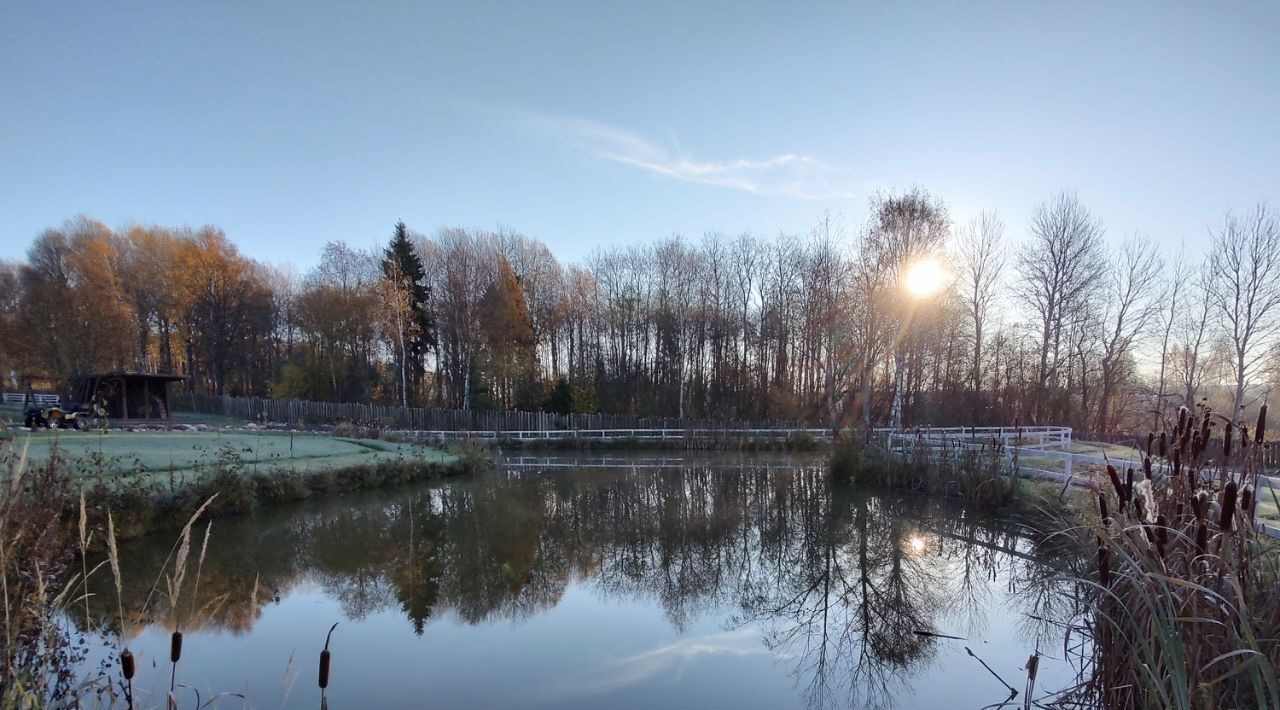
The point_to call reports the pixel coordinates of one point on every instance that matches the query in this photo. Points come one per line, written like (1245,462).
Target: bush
(472,457)
(279,487)
(979,476)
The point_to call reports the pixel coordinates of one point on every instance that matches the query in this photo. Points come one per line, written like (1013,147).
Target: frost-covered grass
(152,454)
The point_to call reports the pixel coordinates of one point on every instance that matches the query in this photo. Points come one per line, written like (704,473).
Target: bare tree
(1245,290)
(904,229)
(1189,354)
(1132,302)
(982,259)
(1171,308)
(1062,260)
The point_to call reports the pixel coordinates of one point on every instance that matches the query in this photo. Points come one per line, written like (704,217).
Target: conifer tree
(408,296)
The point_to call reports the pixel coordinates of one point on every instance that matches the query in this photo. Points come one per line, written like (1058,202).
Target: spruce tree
(401,263)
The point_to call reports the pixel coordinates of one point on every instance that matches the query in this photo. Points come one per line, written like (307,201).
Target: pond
(682,582)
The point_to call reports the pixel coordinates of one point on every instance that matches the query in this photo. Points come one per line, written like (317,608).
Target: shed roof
(165,376)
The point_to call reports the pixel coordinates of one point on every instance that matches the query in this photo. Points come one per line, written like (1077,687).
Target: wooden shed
(128,395)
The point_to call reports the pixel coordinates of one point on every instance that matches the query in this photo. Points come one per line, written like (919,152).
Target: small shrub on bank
(979,476)
(803,441)
(282,487)
(472,457)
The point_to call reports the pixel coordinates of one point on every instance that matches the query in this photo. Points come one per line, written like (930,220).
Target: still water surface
(687,582)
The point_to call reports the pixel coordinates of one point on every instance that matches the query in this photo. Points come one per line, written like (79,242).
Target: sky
(290,124)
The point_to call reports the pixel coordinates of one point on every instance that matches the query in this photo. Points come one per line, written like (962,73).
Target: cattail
(1128,485)
(126,664)
(1146,467)
(1102,508)
(1197,507)
(1151,439)
(175,647)
(1247,503)
(1177,460)
(1115,481)
(1197,446)
(1228,506)
(1202,538)
(1244,439)
(1261,426)
(1226,441)
(1161,536)
(1104,564)
(1182,420)
(1164,445)
(324,659)
(1206,424)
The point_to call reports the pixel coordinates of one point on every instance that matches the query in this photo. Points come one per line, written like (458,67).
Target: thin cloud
(787,175)
(672,659)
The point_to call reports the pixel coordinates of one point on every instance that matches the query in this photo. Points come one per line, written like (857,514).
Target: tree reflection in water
(840,583)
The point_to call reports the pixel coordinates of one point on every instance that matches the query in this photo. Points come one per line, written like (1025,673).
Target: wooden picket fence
(310,413)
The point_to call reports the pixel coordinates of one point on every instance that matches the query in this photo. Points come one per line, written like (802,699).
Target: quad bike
(76,416)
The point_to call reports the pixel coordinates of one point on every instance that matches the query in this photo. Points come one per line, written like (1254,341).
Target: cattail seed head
(1177,460)
(1202,538)
(1197,506)
(1102,508)
(1128,485)
(126,664)
(1164,445)
(1227,435)
(1260,428)
(1115,481)
(1247,502)
(1151,439)
(1146,467)
(1228,506)
(1182,420)
(175,647)
(324,669)
(1196,446)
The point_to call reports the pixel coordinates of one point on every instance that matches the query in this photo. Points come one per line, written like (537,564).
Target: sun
(925,277)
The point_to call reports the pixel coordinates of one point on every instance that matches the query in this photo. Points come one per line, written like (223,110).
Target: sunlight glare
(925,277)
(917,544)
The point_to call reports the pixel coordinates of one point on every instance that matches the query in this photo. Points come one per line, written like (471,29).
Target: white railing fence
(20,397)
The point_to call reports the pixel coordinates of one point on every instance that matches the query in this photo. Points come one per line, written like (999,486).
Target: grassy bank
(156,480)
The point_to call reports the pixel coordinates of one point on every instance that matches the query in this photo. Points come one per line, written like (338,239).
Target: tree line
(1061,325)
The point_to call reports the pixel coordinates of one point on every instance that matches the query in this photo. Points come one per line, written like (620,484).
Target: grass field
(180,454)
